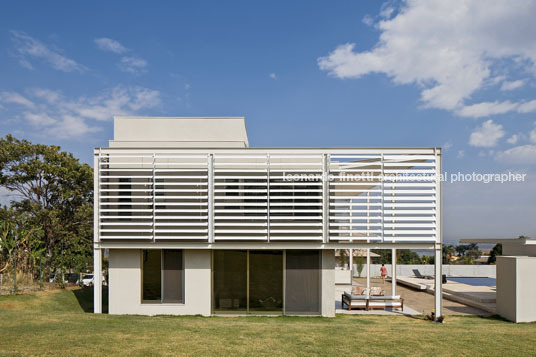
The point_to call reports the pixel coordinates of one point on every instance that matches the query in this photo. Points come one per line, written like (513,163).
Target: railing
(268,195)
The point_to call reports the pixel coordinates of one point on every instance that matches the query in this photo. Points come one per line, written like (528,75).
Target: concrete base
(516,289)
(125,285)
(125,289)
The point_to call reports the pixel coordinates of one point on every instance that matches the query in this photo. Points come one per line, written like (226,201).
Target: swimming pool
(474,281)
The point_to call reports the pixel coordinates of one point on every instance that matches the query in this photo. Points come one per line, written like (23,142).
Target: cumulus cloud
(486,135)
(490,108)
(449,49)
(52,113)
(132,64)
(16,98)
(513,139)
(29,48)
(506,86)
(107,44)
(273,76)
(521,155)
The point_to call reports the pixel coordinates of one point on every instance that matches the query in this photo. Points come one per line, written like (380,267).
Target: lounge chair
(382,302)
(420,276)
(354,301)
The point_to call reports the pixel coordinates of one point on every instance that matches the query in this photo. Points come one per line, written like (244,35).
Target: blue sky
(458,74)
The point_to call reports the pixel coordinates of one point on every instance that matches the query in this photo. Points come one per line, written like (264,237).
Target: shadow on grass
(84,296)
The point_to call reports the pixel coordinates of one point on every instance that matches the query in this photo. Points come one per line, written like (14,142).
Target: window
(162,276)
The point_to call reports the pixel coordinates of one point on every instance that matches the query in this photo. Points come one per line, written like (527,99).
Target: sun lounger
(354,301)
(382,302)
(419,275)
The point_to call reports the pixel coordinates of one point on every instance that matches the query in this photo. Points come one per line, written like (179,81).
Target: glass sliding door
(265,282)
(162,276)
(172,276)
(152,283)
(302,283)
(230,281)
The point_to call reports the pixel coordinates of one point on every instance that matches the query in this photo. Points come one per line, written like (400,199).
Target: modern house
(197,222)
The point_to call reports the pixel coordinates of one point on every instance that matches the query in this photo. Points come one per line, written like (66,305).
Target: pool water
(475,281)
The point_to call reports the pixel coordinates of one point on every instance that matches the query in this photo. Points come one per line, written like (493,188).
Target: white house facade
(197,222)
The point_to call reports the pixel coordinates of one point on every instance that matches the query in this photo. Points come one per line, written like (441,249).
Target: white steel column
(438,259)
(393,273)
(325,197)
(210,214)
(97,280)
(368,268)
(97,259)
(351,261)
(438,289)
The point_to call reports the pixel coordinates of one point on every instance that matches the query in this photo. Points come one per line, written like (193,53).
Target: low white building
(198,222)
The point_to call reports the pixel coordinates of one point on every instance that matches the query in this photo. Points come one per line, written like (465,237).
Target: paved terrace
(416,300)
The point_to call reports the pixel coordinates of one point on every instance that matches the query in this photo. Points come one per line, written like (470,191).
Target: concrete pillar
(438,290)
(393,274)
(368,268)
(97,280)
(351,261)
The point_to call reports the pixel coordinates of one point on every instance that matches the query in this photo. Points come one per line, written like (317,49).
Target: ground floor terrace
(230,282)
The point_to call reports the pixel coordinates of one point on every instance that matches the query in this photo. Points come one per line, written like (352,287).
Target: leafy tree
(497,250)
(54,190)
(448,251)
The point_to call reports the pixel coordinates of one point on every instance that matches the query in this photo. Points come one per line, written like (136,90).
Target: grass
(55,323)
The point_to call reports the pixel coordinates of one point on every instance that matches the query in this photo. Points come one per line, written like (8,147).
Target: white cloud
(368,20)
(490,108)
(16,98)
(461,154)
(513,139)
(28,48)
(447,145)
(107,44)
(512,85)
(486,135)
(273,76)
(39,119)
(132,64)
(55,115)
(532,136)
(521,155)
(450,49)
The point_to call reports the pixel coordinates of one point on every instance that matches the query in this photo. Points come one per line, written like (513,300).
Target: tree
(55,191)
(360,264)
(497,250)
(447,252)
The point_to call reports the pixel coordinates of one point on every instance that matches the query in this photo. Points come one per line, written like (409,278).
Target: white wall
(428,269)
(328,283)
(125,285)
(516,290)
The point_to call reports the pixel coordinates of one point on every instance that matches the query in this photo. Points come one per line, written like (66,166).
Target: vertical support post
(351,261)
(154,197)
(438,289)
(438,259)
(393,274)
(325,197)
(210,198)
(368,268)
(97,259)
(97,280)
(268,198)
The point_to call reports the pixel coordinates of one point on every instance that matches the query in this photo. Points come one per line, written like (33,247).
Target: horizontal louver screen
(256,195)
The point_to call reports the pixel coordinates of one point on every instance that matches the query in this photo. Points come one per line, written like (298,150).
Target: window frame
(182,276)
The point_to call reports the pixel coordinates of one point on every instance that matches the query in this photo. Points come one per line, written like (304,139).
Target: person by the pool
(383,271)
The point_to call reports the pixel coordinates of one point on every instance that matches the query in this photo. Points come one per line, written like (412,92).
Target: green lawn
(55,323)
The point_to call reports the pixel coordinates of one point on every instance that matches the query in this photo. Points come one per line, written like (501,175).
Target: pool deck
(416,301)
(481,297)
